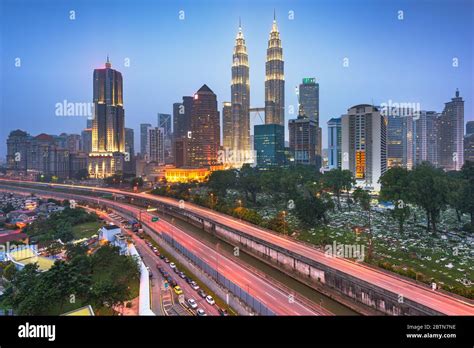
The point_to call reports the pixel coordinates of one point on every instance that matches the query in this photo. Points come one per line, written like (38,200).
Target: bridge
(352,282)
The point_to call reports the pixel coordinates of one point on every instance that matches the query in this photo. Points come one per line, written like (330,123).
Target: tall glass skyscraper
(108,129)
(240,96)
(274,79)
(334,143)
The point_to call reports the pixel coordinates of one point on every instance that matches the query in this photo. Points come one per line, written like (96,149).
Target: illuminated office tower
(364,145)
(108,131)
(156,145)
(426,138)
(240,97)
(274,79)
(204,139)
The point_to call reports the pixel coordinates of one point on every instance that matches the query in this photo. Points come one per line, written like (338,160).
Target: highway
(435,300)
(274,297)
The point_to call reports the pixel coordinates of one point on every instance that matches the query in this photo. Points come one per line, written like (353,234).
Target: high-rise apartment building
(364,144)
(334,143)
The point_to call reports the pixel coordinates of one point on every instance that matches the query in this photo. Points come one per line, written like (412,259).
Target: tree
(337,180)
(467,173)
(278,223)
(395,188)
(457,186)
(221,180)
(137,181)
(249,182)
(363,198)
(10,271)
(429,190)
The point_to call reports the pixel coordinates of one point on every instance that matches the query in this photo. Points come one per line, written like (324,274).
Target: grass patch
(86,230)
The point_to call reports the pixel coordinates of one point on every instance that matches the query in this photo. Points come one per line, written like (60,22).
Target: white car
(192,303)
(194,285)
(210,300)
(172,265)
(200,312)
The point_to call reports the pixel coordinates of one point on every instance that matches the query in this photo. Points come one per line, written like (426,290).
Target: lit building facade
(156,145)
(274,79)
(240,98)
(364,145)
(108,128)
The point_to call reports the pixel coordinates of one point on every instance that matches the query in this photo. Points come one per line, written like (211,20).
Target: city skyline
(216,73)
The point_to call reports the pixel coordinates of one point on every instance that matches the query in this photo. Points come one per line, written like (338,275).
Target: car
(177,290)
(162,256)
(210,300)
(172,265)
(200,312)
(166,260)
(194,285)
(182,275)
(155,249)
(166,274)
(159,268)
(202,293)
(188,280)
(192,303)
(222,312)
(173,283)
(176,270)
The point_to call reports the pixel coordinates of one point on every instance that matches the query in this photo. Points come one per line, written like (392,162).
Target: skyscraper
(164,121)
(269,145)
(400,139)
(129,166)
(364,145)
(144,127)
(303,139)
(86,140)
(156,145)
(182,117)
(240,96)
(469,127)
(451,135)
(227,126)
(334,143)
(108,130)
(274,79)
(309,98)
(205,129)
(425,134)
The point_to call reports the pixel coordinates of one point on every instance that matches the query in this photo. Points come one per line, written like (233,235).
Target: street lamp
(284,221)
(240,210)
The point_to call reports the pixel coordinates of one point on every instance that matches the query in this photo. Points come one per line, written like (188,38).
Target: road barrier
(251,301)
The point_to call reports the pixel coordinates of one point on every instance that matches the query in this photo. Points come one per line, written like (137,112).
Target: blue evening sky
(409,60)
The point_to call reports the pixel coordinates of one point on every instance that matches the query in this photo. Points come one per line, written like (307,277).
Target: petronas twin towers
(237,134)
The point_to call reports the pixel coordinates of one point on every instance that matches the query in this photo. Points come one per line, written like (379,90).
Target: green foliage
(59,225)
(337,180)
(103,279)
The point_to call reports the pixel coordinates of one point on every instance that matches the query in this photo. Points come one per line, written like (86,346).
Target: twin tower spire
(239,135)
